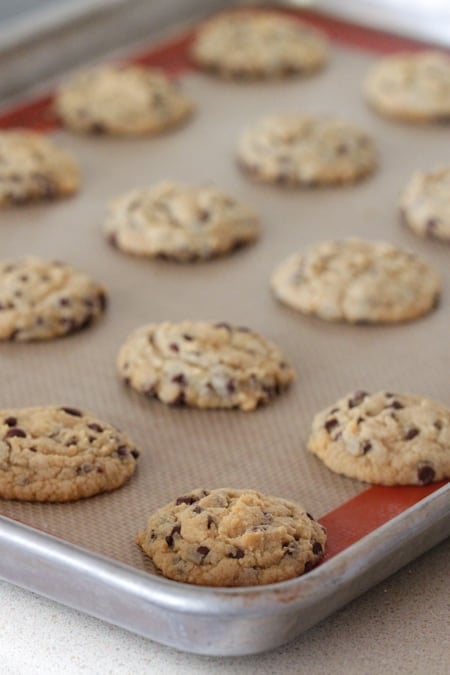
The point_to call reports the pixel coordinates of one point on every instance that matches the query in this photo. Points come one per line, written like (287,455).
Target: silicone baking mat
(266,449)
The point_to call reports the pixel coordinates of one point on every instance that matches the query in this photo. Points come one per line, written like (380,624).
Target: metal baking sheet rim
(217,621)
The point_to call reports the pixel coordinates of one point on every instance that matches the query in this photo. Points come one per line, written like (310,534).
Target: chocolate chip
(99,469)
(188,337)
(317,548)
(102,300)
(174,347)
(179,379)
(97,128)
(231,387)
(437,424)
(32,449)
(135,453)
(366,446)
(73,411)
(330,424)
(15,431)
(176,529)
(95,427)
(411,433)
(359,420)
(10,421)
(169,541)
(357,398)
(425,473)
(310,516)
(236,554)
(186,499)
(308,566)
(64,302)
(122,451)
(210,522)
(180,400)
(197,509)
(203,550)
(396,404)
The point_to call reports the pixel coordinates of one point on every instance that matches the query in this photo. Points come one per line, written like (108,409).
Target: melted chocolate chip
(366,446)
(203,550)
(73,411)
(330,424)
(102,300)
(186,499)
(425,473)
(357,398)
(179,379)
(396,404)
(180,400)
(411,433)
(231,386)
(95,427)
(15,431)
(236,554)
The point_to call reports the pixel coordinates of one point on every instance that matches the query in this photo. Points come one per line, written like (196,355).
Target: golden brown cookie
(385,438)
(60,454)
(229,537)
(204,365)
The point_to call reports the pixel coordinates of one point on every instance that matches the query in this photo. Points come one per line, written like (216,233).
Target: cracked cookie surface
(43,299)
(411,87)
(258,45)
(425,204)
(204,365)
(60,454)
(179,222)
(357,281)
(33,168)
(130,100)
(305,150)
(227,537)
(384,438)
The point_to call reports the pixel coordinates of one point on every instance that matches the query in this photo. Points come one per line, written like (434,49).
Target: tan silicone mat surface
(183,448)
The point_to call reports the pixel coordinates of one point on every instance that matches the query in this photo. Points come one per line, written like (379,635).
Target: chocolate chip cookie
(425,204)
(44,299)
(258,45)
(411,87)
(60,454)
(180,222)
(229,537)
(204,365)
(357,281)
(128,101)
(385,438)
(33,168)
(305,150)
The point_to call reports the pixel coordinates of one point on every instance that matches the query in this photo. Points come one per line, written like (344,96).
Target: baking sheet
(185,448)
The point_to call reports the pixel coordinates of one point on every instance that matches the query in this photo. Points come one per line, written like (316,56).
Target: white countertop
(400,626)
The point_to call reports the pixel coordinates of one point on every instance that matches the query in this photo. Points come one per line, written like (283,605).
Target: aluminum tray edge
(220,622)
